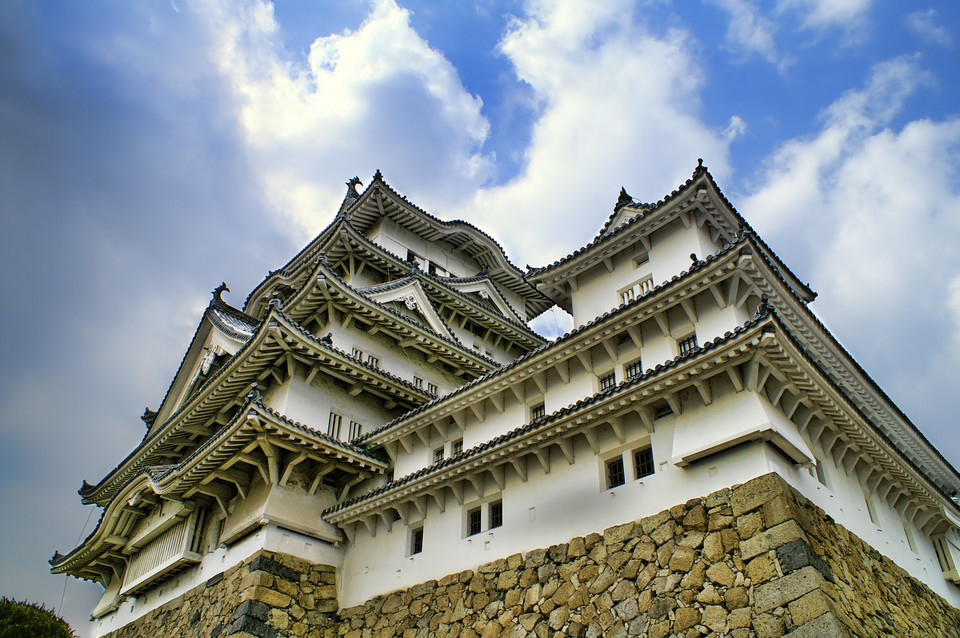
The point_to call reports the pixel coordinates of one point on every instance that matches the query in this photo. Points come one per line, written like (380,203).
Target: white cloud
(750,31)
(378,96)
(869,214)
(736,128)
(617,106)
(926,24)
(819,14)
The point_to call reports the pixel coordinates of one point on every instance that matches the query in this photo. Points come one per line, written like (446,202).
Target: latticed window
(643,462)
(633,370)
(473,521)
(373,361)
(432,388)
(537,411)
(608,381)
(416,541)
(457,447)
(438,454)
(355,430)
(687,344)
(628,295)
(333,425)
(615,473)
(496,514)
(417,381)
(358,353)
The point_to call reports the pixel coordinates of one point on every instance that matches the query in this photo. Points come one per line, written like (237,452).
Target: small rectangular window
(358,353)
(608,381)
(417,381)
(538,411)
(496,514)
(643,462)
(473,521)
(416,541)
(355,430)
(333,425)
(615,474)
(438,454)
(633,369)
(373,361)
(432,388)
(687,344)
(457,447)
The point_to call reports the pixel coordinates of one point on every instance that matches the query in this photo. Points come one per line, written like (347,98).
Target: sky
(151,150)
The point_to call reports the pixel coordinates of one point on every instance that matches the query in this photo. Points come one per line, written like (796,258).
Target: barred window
(633,369)
(438,454)
(473,521)
(615,473)
(373,361)
(537,411)
(355,430)
(457,447)
(416,541)
(417,381)
(628,295)
(643,462)
(687,344)
(608,381)
(496,514)
(432,388)
(358,353)
(333,425)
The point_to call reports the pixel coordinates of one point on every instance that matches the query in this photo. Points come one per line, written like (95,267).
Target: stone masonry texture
(754,561)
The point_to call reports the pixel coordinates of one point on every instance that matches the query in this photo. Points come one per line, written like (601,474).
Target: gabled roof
(379,200)
(631,223)
(272,341)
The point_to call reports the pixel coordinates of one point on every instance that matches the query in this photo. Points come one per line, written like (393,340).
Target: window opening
(432,388)
(496,514)
(417,381)
(538,411)
(438,454)
(355,429)
(333,425)
(457,447)
(608,381)
(633,369)
(416,541)
(628,295)
(373,361)
(473,521)
(615,474)
(643,462)
(687,344)
(358,353)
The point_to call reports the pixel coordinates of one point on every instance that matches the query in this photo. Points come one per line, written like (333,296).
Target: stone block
(769,626)
(271,598)
(721,574)
(618,533)
(754,493)
(771,539)
(798,554)
(682,559)
(264,564)
(823,626)
(810,606)
(761,569)
(714,617)
(685,618)
(781,591)
(696,519)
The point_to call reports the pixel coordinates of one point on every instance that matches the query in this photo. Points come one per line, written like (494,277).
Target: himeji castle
(377,444)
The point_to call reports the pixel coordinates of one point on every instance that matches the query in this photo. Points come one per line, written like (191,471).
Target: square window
(615,474)
(633,369)
(333,425)
(438,454)
(416,540)
(643,462)
(457,447)
(537,411)
(473,521)
(608,381)
(687,344)
(496,514)
(373,361)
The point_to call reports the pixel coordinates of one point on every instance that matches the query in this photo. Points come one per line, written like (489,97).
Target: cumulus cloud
(819,14)
(874,210)
(377,96)
(615,104)
(927,25)
(749,31)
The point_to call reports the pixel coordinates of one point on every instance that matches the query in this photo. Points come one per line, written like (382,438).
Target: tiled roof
(550,418)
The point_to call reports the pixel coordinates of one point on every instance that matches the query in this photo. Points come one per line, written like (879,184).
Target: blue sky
(149,151)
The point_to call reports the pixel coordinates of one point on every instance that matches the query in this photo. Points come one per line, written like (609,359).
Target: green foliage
(30,620)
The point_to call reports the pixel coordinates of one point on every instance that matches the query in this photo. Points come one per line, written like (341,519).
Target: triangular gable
(412,295)
(487,292)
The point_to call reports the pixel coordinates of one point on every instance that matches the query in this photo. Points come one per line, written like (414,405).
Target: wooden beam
(567,449)
(299,458)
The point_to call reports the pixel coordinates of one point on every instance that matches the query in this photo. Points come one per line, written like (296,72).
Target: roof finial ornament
(57,557)
(700,167)
(623,200)
(764,306)
(148,417)
(327,339)
(86,488)
(693,257)
(352,187)
(218,292)
(378,176)
(275,302)
(254,395)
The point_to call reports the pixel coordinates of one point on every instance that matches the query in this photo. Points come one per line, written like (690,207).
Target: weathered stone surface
(739,563)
